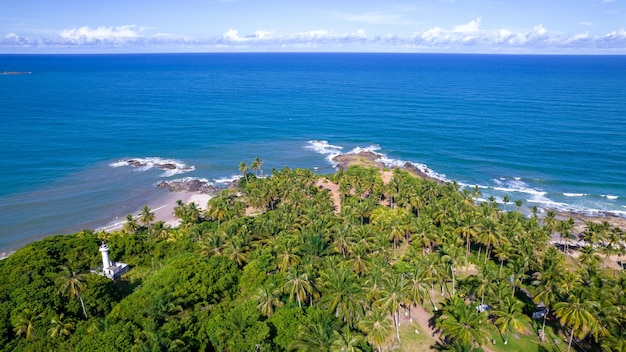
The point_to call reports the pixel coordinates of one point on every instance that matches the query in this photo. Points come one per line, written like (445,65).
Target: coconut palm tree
(60,327)
(377,327)
(71,284)
(416,287)
(146,217)
(243,168)
(509,316)
(578,315)
(268,300)
(467,229)
(131,225)
(24,323)
(393,295)
(346,341)
(341,294)
(256,165)
(287,254)
(298,286)
(462,324)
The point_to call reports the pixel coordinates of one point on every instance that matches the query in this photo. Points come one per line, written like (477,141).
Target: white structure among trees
(112,270)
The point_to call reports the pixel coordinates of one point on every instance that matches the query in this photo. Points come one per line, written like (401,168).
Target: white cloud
(111,34)
(471,27)
(539,29)
(468,37)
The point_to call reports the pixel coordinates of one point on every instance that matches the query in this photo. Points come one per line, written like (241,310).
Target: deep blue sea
(549,130)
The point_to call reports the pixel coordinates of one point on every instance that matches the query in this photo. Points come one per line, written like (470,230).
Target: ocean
(548,130)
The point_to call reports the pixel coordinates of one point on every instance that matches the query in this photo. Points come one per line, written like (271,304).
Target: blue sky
(456,26)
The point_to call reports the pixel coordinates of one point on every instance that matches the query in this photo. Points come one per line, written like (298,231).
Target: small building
(112,270)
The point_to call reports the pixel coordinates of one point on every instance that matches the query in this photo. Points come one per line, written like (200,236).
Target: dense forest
(277,265)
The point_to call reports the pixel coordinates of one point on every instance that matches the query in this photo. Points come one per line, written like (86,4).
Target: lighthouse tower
(106,261)
(112,270)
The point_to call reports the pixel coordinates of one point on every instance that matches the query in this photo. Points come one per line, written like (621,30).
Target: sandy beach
(163,208)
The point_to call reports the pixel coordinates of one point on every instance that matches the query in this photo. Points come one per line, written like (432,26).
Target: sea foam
(170,167)
(227,180)
(331,151)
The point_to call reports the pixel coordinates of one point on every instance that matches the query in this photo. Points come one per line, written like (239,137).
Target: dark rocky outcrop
(188,185)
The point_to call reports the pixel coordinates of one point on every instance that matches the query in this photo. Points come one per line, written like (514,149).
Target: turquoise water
(549,130)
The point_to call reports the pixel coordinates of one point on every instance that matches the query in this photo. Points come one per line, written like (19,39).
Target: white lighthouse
(106,261)
(110,269)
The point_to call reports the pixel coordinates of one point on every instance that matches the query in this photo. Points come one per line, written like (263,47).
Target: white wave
(170,167)
(112,226)
(472,186)
(227,180)
(188,179)
(608,196)
(621,214)
(324,148)
(331,151)
(374,148)
(119,163)
(520,190)
(517,178)
(575,194)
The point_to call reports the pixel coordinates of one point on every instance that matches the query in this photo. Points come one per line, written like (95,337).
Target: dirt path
(334,191)
(421,317)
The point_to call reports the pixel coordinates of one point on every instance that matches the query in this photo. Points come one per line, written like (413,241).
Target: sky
(419,26)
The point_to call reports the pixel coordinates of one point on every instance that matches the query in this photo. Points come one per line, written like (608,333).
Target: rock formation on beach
(164,166)
(366,159)
(371,159)
(189,185)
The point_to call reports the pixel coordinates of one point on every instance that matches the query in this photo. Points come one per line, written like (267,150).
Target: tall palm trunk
(571,338)
(82,304)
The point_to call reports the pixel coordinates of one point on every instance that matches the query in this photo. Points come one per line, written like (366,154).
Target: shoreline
(163,208)
(371,159)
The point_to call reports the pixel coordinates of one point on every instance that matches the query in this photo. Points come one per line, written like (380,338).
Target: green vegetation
(303,273)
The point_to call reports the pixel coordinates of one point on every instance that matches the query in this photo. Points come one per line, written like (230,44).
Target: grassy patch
(528,343)
(411,341)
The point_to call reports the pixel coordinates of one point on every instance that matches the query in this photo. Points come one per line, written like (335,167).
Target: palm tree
(488,235)
(346,341)
(243,168)
(378,328)
(25,323)
(416,288)
(298,286)
(287,254)
(146,217)
(510,317)
(268,300)
(452,256)
(235,249)
(578,315)
(60,327)
(342,294)
(462,324)
(131,225)
(392,296)
(468,230)
(71,284)
(256,165)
